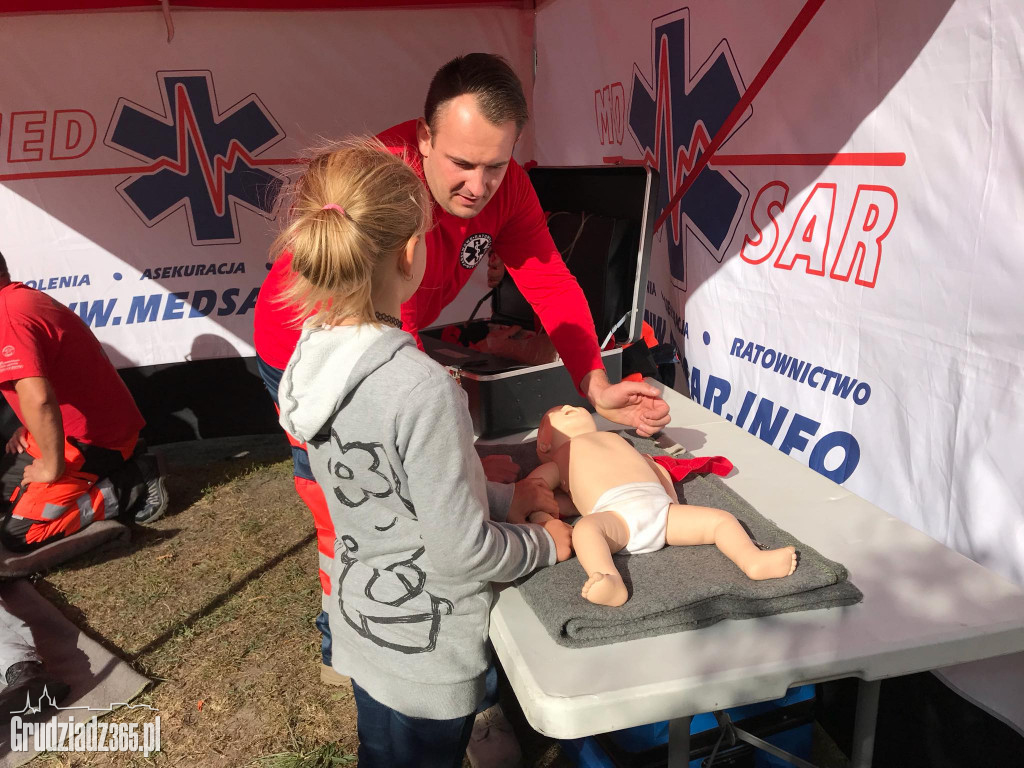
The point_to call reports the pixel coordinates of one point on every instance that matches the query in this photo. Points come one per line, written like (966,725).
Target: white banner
(843,275)
(140,180)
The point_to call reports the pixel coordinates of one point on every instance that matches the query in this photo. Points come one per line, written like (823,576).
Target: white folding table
(925,606)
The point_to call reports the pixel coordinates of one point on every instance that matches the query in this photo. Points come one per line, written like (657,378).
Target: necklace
(387,319)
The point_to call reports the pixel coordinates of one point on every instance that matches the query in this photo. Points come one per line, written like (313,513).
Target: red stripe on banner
(72,6)
(864,159)
(767,69)
(867,159)
(873,159)
(134,170)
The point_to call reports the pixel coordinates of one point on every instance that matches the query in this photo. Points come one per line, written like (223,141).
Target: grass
(327,756)
(216,603)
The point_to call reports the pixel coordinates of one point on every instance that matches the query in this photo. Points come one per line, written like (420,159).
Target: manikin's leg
(664,478)
(704,525)
(596,538)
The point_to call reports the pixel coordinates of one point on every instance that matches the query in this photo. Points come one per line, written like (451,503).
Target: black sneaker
(29,690)
(152,502)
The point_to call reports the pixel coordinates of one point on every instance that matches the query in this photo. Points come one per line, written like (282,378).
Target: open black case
(602,221)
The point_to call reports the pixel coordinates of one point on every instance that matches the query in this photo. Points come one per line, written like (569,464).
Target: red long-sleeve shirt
(41,337)
(512,223)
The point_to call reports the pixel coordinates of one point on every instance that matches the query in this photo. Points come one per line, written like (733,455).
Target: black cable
(485,297)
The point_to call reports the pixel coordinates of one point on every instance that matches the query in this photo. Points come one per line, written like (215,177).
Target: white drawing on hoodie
(414,624)
(360,476)
(405,618)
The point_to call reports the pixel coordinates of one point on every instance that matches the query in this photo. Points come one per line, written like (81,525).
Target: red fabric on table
(680,468)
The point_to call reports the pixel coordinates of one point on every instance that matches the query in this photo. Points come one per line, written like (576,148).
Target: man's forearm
(40,412)
(594,383)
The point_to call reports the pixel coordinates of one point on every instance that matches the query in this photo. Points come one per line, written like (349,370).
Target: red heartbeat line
(686,166)
(803,18)
(871,159)
(685,158)
(213,174)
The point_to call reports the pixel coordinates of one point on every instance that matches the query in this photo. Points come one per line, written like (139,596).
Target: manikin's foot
(773,564)
(605,589)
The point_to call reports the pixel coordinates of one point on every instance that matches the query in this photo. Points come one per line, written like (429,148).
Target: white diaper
(644,507)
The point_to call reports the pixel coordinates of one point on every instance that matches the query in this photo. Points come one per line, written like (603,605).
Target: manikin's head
(559,425)
(473,115)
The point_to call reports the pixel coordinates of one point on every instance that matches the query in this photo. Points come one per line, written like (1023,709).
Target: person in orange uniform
(76,449)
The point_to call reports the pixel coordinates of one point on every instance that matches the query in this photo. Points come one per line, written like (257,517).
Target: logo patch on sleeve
(475,249)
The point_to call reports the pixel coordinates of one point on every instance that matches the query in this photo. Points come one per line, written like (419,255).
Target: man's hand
(40,415)
(531,495)
(495,270)
(562,534)
(18,442)
(40,471)
(631,403)
(500,468)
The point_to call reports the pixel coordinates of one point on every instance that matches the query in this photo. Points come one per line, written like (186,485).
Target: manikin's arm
(41,414)
(566,507)
(548,472)
(549,475)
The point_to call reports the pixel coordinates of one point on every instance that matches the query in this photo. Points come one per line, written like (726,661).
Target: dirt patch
(216,602)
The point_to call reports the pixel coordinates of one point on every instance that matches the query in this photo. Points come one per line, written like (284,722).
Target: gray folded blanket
(678,588)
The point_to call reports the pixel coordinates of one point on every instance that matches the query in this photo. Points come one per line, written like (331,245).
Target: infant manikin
(628,503)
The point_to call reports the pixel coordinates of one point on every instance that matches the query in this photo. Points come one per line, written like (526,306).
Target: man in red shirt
(76,449)
(462,148)
(475,111)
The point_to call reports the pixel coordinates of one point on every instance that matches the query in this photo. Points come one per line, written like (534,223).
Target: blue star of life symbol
(673,122)
(197,157)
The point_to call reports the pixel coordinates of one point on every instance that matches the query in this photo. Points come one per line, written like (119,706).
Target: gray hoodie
(391,445)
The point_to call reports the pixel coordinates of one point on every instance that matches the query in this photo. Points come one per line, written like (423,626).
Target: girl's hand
(531,495)
(500,468)
(562,534)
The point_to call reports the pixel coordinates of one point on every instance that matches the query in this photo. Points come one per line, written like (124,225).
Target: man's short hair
(3,268)
(498,91)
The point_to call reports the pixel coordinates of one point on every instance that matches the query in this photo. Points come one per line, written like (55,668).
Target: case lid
(602,221)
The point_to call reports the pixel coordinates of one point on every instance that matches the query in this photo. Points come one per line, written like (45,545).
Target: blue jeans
(300,468)
(389,739)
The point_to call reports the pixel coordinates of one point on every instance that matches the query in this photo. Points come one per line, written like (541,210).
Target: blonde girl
(391,445)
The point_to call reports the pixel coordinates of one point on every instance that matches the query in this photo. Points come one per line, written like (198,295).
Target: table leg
(679,742)
(864,723)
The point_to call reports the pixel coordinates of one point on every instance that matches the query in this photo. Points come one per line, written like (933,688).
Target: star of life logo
(78,729)
(474,249)
(673,121)
(198,158)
